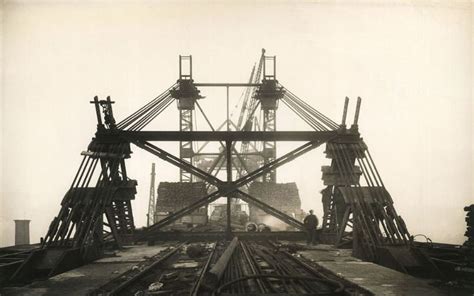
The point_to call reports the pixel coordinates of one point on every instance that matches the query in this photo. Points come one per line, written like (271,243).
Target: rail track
(227,268)
(259,268)
(170,272)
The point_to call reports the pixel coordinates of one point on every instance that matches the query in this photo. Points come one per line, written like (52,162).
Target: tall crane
(151,201)
(249,106)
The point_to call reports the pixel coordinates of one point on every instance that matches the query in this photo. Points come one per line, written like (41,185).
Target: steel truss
(78,230)
(229,187)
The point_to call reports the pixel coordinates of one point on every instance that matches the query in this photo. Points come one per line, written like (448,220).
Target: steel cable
(311,121)
(321,123)
(129,119)
(339,161)
(151,114)
(348,161)
(329,122)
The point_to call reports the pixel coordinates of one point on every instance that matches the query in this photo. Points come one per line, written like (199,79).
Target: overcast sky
(410,61)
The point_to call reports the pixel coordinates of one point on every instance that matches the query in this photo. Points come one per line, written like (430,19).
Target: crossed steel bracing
(80,222)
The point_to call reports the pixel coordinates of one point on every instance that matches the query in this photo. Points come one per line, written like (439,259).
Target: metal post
(228,146)
(344,114)
(97,111)
(190,67)
(109,105)
(356,116)
(228,123)
(179,66)
(111,113)
(274,67)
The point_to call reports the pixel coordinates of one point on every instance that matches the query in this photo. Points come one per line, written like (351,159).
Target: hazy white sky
(410,61)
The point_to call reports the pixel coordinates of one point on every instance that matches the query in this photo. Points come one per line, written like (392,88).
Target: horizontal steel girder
(223,136)
(238,84)
(219,235)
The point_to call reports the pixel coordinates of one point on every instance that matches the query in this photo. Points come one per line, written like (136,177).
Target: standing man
(311,223)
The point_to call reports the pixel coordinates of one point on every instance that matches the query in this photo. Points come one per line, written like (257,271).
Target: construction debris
(195,250)
(155,287)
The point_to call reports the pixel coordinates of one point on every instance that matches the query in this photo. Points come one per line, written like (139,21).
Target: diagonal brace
(270,210)
(278,162)
(224,187)
(178,162)
(184,211)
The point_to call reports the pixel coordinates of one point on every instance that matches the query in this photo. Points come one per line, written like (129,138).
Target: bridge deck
(372,277)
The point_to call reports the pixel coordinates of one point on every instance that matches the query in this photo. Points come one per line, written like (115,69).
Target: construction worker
(311,223)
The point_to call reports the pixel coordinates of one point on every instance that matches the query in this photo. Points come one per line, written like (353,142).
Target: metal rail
(197,286)
(267,270)
(145,271)
(171,270)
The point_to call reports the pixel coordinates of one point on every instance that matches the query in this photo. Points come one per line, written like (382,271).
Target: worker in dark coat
(311,223)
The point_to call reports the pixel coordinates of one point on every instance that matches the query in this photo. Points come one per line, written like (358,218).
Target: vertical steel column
(269,100)
(344,113)
(228,122)
(269,147)
(186,99)
(228,147)
(357,111)
(185,147)
(97,112)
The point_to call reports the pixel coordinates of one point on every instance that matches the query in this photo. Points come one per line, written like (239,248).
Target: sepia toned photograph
(245,147)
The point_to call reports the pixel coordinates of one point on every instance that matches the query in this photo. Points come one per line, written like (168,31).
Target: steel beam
(178,162)
(213,276)
(270,210)
(183,212)
(224,188)
(228,149)
(212,84)
(219,235)
(238,183)
(222,136)
(278,162)
(219,153)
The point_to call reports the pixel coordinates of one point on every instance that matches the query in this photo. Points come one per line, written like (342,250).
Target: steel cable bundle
(311,116)
(143,116)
